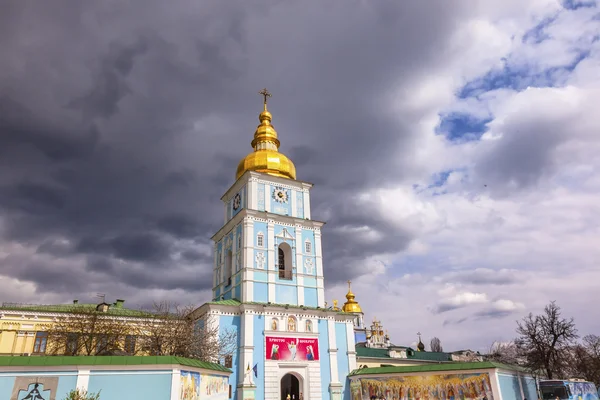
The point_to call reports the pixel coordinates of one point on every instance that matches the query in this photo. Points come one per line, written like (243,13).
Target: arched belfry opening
(290,385)
(284,261)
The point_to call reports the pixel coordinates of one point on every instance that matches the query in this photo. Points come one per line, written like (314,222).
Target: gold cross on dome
(265,93)
(349,282)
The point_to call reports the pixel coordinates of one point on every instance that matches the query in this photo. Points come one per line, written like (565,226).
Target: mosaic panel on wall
(451,386)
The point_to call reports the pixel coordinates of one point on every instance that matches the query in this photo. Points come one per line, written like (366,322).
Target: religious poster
(214,387)
(190,385)
(292,349)
(450,386)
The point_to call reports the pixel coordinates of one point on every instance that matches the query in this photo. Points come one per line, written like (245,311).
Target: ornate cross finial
(349,282)
(419,335)
(265,93)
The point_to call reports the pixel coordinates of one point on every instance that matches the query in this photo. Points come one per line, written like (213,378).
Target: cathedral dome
(351,305)
(266,157)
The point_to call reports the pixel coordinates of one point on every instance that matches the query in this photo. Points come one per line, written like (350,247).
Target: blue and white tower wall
(269,250)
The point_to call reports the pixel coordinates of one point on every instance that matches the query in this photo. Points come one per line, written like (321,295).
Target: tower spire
(266,157)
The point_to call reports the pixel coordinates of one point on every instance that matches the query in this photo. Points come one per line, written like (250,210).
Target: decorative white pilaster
(319,265)
(271,260)
(83,379)
(351,347)
(251,196)
(294,210)
(307,204)
(299,265)
(333,362)
(268,197)
(246,387)
(248,261)
(175,382)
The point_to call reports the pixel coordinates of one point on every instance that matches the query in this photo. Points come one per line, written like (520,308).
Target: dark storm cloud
(123,122)
(484,276)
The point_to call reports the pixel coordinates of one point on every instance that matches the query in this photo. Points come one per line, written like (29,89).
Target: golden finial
(335,303)
(265,93)
(351,305)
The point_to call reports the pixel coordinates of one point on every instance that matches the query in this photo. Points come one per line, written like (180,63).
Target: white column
(319,265)
(293,212)
(332,351)
(307,204)
(251,197)
(83,379)
(247,344)
(248,260)
(521,386)
(175,382)
(351,347)
(495,382)
(271,260)
(267,197)
(299,265)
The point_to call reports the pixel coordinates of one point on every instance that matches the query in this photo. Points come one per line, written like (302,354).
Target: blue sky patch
(462,127)
(537,34)
(575,4)
(519,78)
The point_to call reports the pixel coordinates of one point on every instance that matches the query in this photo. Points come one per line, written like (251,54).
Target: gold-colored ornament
(266,157)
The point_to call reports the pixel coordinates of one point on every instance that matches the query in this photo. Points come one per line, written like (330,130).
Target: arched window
(308,325)
(291,324)
(284,261)
(228,267)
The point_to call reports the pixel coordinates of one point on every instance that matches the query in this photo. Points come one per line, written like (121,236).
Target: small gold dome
(266,157)
(351,305)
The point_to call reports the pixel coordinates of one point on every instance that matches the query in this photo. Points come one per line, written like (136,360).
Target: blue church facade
(268,284)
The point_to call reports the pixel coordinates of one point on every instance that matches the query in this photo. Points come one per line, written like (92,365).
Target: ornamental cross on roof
(265,93)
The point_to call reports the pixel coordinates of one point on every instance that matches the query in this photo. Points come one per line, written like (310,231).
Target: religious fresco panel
(450,386)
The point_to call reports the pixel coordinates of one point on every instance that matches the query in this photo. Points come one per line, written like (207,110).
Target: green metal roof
(72,308)
(40,361)
(369,352)
(450,366)
(429,356)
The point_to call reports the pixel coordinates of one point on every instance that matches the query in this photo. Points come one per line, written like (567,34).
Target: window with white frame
(308,247)
(260,240)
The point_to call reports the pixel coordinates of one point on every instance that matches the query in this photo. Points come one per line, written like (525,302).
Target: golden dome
(266,157)
(351,305)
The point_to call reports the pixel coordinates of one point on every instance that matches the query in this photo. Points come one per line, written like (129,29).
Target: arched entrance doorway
(290,385)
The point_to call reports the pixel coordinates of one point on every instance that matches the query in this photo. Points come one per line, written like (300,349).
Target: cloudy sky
(454,147)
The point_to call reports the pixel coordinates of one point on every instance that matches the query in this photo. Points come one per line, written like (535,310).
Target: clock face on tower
(280,195)
(237,200)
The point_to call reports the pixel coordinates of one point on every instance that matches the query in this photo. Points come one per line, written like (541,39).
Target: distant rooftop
(411,354)
(47,361)
(116,308)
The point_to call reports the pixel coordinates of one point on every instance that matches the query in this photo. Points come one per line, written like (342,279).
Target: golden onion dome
(351,305)
(266,157)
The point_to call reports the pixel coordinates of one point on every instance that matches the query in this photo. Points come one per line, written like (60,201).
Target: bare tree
(86,331)
(169,330)
(504,352)
(436,345)
(543,341)
(585,359)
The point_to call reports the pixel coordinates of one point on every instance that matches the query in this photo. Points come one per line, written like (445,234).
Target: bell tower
(269,248)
